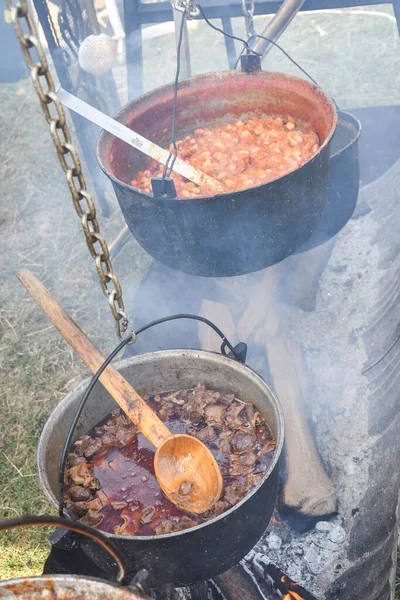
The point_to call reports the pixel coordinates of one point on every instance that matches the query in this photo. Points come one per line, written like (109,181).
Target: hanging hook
(248,12)
(186,6)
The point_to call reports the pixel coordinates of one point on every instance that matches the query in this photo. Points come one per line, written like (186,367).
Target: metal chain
(68,157)
(188,7)
(248,13)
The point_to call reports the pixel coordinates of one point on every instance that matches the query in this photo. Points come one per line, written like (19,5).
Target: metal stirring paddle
(136,140)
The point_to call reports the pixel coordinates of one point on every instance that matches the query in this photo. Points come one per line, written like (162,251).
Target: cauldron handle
(85,530)
(250,63)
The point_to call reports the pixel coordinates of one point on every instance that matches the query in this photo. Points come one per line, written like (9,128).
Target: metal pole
(277,26)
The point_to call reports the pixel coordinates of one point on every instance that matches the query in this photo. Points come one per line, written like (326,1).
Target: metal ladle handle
(136,140)
(32,521)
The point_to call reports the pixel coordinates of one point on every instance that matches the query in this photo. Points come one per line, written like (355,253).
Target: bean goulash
(240,155)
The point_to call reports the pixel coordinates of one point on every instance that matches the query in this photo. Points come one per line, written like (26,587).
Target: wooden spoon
(185,468)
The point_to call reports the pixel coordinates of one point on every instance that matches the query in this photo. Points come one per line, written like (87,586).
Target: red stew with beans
(110,481)
(240,155)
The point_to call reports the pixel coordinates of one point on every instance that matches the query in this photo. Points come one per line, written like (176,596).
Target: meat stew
(110,481)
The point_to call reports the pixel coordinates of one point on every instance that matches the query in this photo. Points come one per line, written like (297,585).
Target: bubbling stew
(240,155)
(110,480)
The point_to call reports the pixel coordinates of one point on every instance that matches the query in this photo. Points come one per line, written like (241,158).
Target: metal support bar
(277,26)
(229,43)
(159,12)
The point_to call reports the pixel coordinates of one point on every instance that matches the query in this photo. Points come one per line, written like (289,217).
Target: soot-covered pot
(208,549)
(233,233)
(71,587)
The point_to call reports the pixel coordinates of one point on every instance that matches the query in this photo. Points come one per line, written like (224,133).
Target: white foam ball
(98,54)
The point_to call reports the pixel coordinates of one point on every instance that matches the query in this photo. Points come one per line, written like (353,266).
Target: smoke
(337,300)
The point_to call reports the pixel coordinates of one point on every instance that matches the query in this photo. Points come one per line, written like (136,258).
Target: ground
(353,54)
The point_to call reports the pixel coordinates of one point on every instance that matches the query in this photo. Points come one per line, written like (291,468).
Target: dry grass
(40,231)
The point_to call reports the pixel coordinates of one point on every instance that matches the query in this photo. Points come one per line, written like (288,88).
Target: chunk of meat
(94,505)
(268,447)
(185,488)
(166,411)
(147,515)
(164,528)
(74,459)
(234,417)
(119,505)
(81,475)
(234,493)
(125,434)
(130,522)
(123,528)
(227,399)
(224,442)
(77,493)
(92,448)
(242,464)
(252,480)
(82,444)
(218,508)
(214,414)
(194,410)
(91,518)
(213,397)
(175,399)
(185,523)
(242,441)
(253,415)
(207,434)
(108,438)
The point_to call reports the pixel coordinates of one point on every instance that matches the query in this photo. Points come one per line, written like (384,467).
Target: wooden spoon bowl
(188,473)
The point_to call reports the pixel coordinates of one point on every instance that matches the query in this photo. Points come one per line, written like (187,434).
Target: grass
(39,230)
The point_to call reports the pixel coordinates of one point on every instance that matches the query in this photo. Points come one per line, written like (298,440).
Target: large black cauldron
(228,234)
(209,549)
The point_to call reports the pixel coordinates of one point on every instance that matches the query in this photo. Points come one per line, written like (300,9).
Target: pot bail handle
(108,545)
(250,63)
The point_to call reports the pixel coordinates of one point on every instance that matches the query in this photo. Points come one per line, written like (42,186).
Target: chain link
(68,157)
(186,6)
(248,13)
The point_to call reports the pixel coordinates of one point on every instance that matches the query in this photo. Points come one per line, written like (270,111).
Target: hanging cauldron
(233,233)
(345,181)
(208,549)
(70,587)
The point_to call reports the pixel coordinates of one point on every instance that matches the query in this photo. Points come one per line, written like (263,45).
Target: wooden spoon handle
(123,393)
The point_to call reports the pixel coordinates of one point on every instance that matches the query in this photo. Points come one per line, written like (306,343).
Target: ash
(302,556)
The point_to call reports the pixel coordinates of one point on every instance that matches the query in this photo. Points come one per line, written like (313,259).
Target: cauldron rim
(266,75)
(128,361)
(354,121)
(123,592)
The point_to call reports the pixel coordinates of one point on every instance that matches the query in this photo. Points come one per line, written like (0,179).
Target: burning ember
(291,595)
(289,589)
